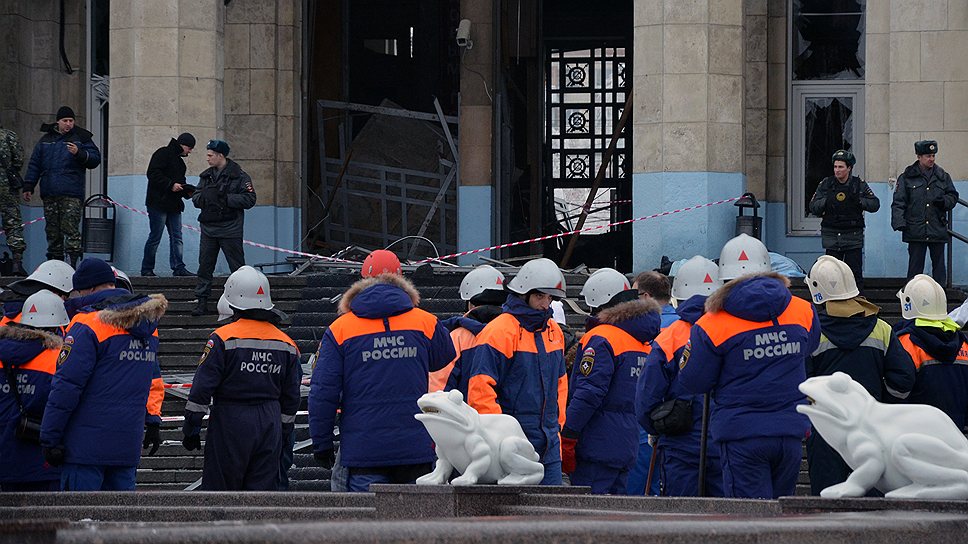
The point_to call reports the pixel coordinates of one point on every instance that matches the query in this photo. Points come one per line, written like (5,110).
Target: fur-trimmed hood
(19,345)
(131,315)
(754,297)
(380,296)
(639,318)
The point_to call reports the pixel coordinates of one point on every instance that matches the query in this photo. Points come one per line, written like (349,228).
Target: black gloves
(54,456)
(192,430)
(939,202)
(152,438)
(325,458)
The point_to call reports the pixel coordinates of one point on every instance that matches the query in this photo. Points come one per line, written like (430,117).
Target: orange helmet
(379,262)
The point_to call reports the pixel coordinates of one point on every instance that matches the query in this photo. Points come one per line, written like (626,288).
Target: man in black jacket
(224,193)
(923,196)
(841,200)
(166,189)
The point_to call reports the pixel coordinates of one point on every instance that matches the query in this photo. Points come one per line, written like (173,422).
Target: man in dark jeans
(224,193)
(841,200)
(166,189)
(923,196)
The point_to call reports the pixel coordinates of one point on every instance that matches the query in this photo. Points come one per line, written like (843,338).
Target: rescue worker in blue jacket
(373,363)
(98,411)
(28,357)
(679,426)
(518,367)
(855,341)
(483,289)
(749,350)
(249,370)
(600,438)
(937,346)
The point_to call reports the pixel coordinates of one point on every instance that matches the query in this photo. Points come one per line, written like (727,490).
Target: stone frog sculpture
(905,451)
(484,448)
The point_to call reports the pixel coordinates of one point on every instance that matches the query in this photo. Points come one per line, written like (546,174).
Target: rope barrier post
(606,158)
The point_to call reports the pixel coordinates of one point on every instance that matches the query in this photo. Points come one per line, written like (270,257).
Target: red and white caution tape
(586,229)
(31,222)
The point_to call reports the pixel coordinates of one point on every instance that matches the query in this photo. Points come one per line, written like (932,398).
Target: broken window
(828,40)
(828,125)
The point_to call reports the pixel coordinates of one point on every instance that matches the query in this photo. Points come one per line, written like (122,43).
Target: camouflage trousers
(12,221)
(62,218)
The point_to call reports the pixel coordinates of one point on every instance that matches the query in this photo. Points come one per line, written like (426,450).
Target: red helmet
(379,262)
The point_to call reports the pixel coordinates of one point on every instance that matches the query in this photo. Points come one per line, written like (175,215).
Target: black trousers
(854,258)
(916,252)
(208,249)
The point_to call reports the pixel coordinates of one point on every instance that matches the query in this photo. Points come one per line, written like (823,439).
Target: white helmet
(743,255)
(483,278)
(224,310)
(831,279)
(539,275)
(54,273)
(248,289)
(604,284)
(122,280)
(44,310)
(697,276)
(923,297)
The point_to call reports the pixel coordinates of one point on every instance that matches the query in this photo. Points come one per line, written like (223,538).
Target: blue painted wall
(474,227)
(271,225)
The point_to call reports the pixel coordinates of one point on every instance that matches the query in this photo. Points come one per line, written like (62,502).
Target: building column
(688,125)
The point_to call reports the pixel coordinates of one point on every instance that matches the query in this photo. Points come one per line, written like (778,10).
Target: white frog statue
(910,451)
(484,448)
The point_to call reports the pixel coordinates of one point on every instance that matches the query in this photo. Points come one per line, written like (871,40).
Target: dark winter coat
(941,358)
(166,168)
(921,201)
(223,198)
(59,172)
(842,207)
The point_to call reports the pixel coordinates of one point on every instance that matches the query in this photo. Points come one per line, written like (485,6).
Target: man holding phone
(58,163)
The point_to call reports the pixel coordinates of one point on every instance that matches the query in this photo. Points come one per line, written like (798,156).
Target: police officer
(58,163)
(11,160)
(855,341)
(518,367)
(600,438)
(937,346)
(483,289)
(841,200)
(663,407)
(53,275)
(107,385)
(28,356)
(749,350)
(249,370)
(922,198)
(373,361)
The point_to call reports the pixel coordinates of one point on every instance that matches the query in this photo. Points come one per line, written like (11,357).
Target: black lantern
(749,224)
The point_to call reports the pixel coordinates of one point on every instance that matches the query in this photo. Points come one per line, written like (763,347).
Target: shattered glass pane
(828,125)
(828,39)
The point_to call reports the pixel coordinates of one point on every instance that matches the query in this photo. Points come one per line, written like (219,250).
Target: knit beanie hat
(186,139)
(65,112)
(91,273)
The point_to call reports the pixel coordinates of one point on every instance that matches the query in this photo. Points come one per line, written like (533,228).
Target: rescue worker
(749,351)
(483,289)
(663,407)
(54,276)
(28,356)
(600,438)
(373,362)
(107,392)
(249,371)
(855,341)
(841,200)
(937,346)
(518,366)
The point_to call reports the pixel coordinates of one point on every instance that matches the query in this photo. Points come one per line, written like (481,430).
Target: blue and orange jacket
(108,382)
(32,353)
(750,350)
(658,383)
(601,413)
(373,362)
(941,359)
(248,362)
(463,331)
(518,368)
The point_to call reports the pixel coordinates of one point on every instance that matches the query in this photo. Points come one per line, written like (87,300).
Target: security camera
(464,34)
